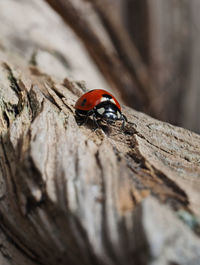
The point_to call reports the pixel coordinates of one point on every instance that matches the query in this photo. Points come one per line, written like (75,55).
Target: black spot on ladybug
(106,96)
(83,102)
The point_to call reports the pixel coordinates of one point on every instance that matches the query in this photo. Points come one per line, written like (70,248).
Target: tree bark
(71,195)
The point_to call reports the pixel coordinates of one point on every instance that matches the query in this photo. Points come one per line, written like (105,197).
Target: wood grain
(73,195)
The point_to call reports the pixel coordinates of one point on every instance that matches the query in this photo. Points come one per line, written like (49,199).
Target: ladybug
(101,105)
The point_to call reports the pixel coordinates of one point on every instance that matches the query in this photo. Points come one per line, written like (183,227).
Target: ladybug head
(108,111)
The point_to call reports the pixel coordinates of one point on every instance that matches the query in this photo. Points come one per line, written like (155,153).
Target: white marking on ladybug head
(104,99)
(112,100)
(101,111)
(108,99)
(118,115)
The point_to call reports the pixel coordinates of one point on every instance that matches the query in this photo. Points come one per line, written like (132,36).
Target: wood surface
(72,195)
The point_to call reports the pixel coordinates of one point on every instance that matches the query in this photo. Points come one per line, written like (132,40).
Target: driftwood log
(77,196)
(71,195)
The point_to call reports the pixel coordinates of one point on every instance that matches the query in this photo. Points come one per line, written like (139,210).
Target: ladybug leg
(87,116)
(109,121)
(84,119)
(124,119)
(80,118)
(78,115)
(95,121)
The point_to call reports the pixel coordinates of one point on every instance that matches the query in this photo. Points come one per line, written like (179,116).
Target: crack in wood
(143,168)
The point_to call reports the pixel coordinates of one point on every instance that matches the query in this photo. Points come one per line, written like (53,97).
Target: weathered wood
(73,195)
(38,34)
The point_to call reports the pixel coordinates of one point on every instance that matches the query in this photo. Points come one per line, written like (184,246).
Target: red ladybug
(101,105)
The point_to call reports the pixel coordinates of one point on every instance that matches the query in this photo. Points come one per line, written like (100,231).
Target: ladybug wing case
(92,98)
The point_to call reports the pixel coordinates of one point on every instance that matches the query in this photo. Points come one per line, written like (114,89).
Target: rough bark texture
(36,33)
(71,195)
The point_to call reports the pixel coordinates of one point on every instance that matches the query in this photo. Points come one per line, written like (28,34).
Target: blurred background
(147,52)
